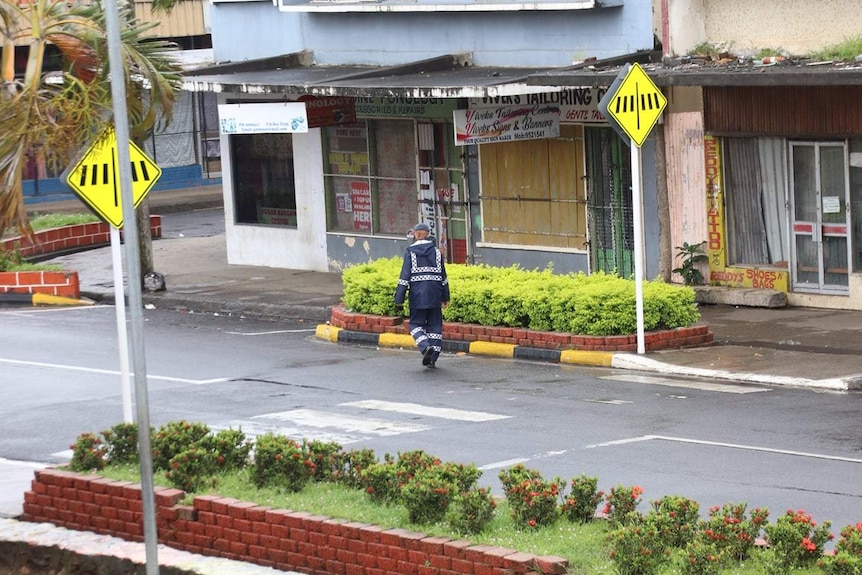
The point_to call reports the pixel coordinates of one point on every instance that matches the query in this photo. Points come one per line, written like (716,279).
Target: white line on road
(417,409)
(51,309)
(275,332)
(501,464)
(28,464)
(323,419)
(723,444)
(702,385)
(110,372)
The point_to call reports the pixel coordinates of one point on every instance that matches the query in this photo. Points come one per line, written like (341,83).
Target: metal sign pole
(637,215)
(122,333)
(133,265)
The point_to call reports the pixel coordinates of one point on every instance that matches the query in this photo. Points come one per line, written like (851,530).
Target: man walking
(424,275)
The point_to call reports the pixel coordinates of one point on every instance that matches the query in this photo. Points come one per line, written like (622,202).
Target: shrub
(10,259)
(795,541)
(230,448)
(380,482)
(471,510)
(122,443)
(88,453)
(175,437)
(580,505)
(192,470)
(326,456)
(410,463)
(703,557)
(280,462)
(637,548)
(351,465)
(848,553)
(731,531)
(621,503)
(427,494)
(514,476)
(677,519)
(599,304)
(534,501)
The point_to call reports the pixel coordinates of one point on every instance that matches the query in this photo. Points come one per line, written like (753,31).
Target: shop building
(422,111)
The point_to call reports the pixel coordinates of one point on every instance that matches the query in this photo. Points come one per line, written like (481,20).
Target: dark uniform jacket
(424,273)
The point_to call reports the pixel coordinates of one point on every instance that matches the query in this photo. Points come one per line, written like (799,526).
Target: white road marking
(501,464)
(723,444)
(111,372)
(417,409)
(253,429)
(702,385)
(609,401)
(29,464)
(66,454)
(322,419)
(51,309)
(274,332)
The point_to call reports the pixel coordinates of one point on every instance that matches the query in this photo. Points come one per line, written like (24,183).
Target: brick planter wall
(59,283)
(692,336)
(277,538)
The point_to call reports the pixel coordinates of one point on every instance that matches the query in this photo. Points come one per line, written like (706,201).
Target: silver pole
(637,215)
(122,331)
(133,264)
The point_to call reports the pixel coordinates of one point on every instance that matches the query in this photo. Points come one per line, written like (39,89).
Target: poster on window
(360,199)
(262,118)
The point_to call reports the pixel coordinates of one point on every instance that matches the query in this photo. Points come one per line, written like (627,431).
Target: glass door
(821,222)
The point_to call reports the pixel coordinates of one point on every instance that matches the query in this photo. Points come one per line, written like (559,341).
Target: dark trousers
(426,327)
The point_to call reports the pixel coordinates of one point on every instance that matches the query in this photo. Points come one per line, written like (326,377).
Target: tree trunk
(145,238)
(664,240)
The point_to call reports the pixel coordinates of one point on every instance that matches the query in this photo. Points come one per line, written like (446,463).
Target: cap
(421,227)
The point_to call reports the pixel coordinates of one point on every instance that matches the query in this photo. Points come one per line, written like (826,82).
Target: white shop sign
(263,118)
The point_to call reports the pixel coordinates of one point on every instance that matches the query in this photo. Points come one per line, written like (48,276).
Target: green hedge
(599,304)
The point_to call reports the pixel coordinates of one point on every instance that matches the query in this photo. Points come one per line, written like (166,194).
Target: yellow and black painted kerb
(488,348)
(35,299)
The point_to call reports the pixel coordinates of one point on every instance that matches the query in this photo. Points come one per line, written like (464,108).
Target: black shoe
(432,364)
(426,355)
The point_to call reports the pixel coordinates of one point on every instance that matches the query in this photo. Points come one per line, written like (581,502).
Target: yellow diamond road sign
(96,177)
(634,102)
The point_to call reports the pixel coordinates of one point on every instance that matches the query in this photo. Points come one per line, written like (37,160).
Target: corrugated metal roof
(699,72)
(448,76)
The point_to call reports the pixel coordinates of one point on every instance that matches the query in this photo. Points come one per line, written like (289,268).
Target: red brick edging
(59,283)
(278,538)
(681,337)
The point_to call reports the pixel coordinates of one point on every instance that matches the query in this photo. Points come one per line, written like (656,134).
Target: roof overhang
(449,76)
(413,6)
(709,75)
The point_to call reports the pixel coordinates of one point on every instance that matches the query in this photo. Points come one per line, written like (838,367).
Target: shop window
(263,182)
(533,191)
(755,182)
(370,176)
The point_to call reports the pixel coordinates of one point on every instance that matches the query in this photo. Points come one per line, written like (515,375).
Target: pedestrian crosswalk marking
(322,419)
(426,410)
(690,384)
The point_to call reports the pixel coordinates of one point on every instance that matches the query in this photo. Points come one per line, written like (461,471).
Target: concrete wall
(527,38)
(746,26)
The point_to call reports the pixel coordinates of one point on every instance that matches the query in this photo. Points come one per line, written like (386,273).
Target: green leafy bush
(230,448)
(326,456)
(795,541)
(847,559)
(88,453)
(280,462)
(122,443)
(732,531)
(175,437)
(532,499)
(351,465)
(380,482)
(193,470)
(599,304)
(637,547)
(677,518)
(580,505)
(471,510)
(428,493)
(621,503)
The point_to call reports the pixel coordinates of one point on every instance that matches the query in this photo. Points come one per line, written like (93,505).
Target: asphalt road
(716,443)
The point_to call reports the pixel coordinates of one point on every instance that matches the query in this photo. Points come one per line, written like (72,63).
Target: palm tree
(55,114)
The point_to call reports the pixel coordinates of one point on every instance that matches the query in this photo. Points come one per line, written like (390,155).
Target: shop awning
(448,76)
